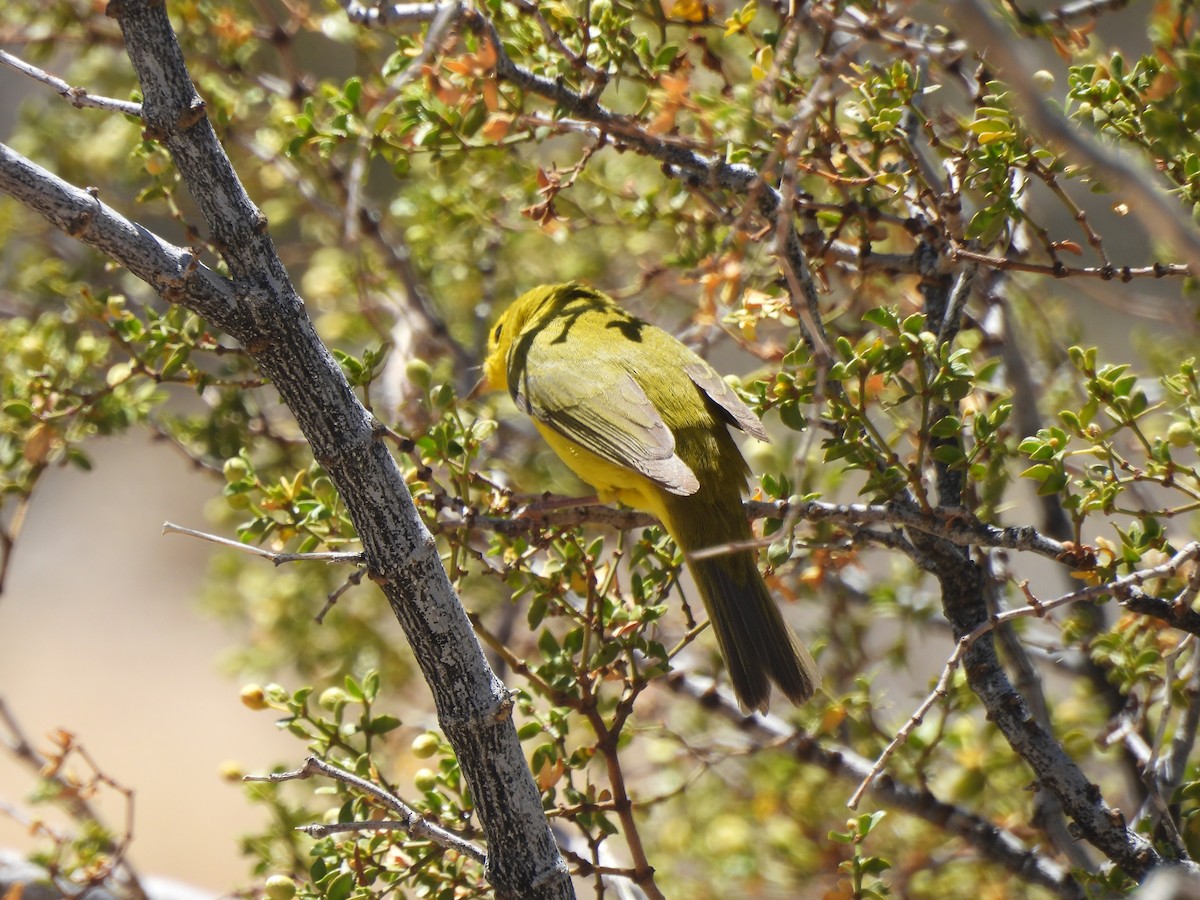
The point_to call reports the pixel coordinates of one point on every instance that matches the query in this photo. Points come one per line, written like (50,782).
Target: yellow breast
(610,481)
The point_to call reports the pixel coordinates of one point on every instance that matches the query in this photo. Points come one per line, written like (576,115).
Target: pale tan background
(100,634)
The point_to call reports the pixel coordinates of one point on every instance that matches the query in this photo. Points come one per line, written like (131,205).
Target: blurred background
(100,635)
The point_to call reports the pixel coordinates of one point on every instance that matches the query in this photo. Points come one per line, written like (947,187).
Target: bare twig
(1060,270)
(275,556)
(952,525)
(1035,608)
(1160,213)
(354,579)
(73,795)
(78,97)
(410,820)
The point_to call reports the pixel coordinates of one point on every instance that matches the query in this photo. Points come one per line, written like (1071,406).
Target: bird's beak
(479,389)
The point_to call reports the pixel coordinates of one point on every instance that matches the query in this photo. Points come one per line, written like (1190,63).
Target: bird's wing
(709,380)
(602,409)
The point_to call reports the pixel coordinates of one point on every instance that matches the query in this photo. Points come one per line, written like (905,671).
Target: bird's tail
(758,646)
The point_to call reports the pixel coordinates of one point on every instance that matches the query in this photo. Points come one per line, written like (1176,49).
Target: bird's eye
(496,333)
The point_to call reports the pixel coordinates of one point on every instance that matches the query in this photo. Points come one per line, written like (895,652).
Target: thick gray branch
(259,307)
(473,706)
(172,271)
(963,600)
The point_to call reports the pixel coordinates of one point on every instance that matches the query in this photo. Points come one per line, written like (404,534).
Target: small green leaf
(884,317)
(793,417)
(948,454)
(945,427)
(547,644)
(382,724)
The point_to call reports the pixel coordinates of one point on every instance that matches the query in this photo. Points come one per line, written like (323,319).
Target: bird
(644,420)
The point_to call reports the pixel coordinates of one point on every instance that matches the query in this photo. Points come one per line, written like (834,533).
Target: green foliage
(58,396)
(864,871)
(64,379)
(1151,104)
(343,728)
(412,194)
(1104,454)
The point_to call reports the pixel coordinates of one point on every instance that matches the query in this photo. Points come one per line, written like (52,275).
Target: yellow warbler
(642,419)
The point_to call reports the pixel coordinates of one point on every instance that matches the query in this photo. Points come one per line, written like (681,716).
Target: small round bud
(253,697)
(33,352)
(419,373)
(425,779)
(1180,434)
(425,745)
(279,887)
(332,698)
(235,469)
(1043,79)
(238,501)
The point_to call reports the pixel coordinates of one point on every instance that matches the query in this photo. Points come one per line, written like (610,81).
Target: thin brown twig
(1034,608)
(989,840)
(74,796)
(1060,270)
(352,580)
(606,743)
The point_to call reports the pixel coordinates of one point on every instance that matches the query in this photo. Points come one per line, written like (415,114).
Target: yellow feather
(643,420)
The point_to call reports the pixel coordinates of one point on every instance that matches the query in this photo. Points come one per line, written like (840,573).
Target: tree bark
(259,307)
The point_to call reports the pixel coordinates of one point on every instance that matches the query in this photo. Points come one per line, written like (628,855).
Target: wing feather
(616,421)
(708,380)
